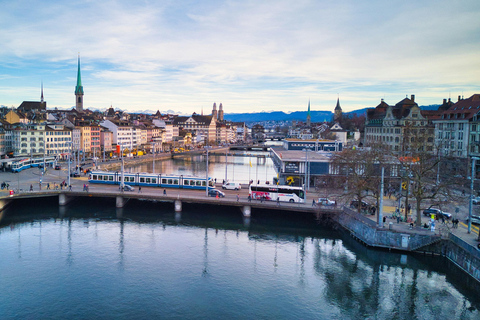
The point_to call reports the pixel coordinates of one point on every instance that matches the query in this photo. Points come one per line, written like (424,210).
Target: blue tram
(18,165)
(150,180)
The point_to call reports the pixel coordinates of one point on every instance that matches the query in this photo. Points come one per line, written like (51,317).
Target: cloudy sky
(249,55)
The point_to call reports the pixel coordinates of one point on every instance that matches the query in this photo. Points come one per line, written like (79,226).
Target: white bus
(274,192)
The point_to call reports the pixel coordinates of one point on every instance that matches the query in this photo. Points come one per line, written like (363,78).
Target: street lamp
(206,177)
(153,151)
(471,195)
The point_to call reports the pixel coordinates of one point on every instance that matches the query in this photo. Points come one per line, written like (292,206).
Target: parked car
(215,192)
(74,174)
(437,213)
(475,219)
(232,186)
(364,205)
(127,187)
(57,167)
(326,202)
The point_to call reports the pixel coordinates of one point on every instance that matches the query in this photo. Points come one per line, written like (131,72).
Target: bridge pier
(247,211)
(178,206)
(63,199)
(4,203)
(120,202)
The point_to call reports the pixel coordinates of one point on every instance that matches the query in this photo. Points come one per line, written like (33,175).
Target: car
(326,202)
(475,219)
(127,187)
(428,212)
(232,186)
(437,212)
(57,167)
(476,200)
(215,193)
(74,174)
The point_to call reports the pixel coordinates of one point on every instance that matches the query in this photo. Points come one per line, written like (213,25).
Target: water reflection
(240,169)
(278,265)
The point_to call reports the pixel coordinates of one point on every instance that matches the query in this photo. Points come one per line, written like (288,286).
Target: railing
(465,246)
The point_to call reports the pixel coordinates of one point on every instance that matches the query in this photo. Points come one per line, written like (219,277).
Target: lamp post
(153,151)
(206,177)
(471,195)
(69,157)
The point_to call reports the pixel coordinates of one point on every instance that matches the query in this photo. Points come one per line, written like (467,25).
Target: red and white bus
(274,192)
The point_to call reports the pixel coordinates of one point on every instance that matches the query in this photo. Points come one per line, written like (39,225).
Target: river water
(89,260)
(240,169)
(92,261)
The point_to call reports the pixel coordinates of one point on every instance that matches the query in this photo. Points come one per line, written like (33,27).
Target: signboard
(291,167)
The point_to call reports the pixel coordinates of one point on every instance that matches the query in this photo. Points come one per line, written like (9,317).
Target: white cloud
(250,54)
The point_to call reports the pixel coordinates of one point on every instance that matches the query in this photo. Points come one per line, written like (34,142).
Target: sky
(250,56)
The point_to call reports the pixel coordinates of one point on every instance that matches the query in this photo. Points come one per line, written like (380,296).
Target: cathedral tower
(220,112)
(79,91)
(214,111)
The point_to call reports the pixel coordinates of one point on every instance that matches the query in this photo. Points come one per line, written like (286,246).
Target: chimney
(412,98)
(444,101)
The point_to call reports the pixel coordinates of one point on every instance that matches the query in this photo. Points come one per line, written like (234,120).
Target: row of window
(150,180)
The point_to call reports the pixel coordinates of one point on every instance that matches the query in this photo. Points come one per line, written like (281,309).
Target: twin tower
(217,116)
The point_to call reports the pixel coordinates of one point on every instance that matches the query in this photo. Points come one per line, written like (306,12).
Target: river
(92,261)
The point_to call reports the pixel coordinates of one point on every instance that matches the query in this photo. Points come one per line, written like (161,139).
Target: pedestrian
(278,201)
(215,180)
(398,219)
(384,219)
(31,188)
(238,197)
(249,198)
(40,186)
(139,189)
(164,192)
(313,203)
(48,186)
(70,188)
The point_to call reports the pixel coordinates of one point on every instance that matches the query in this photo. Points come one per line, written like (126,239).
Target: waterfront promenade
(32,176)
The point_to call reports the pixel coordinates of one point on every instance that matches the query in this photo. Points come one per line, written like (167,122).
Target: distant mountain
(316,116)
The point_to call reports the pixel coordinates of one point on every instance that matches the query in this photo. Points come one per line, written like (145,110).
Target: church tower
(220,112)
(338,112)
(214,111)
(41,96)
(79,91)
(309,118)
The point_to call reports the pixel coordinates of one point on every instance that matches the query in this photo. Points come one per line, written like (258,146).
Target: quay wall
(463,255)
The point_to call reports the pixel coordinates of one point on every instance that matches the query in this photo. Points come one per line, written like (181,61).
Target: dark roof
(32,105)
(468,107)
(406,103)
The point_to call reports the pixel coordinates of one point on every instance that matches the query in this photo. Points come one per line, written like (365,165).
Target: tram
(18,165)
(150,180)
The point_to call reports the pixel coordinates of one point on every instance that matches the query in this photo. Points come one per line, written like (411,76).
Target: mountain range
(316,116)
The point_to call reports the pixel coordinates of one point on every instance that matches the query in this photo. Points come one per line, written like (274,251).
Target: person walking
(139,189)
(238,197)
(31,188)
(313,203)
(164,192)
(70,188)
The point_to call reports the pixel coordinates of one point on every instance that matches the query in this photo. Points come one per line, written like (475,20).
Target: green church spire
(79,87)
